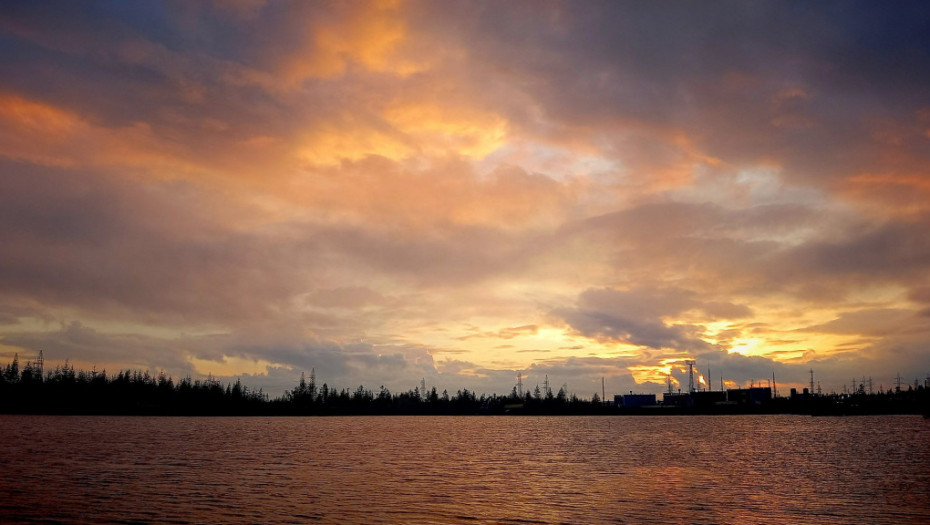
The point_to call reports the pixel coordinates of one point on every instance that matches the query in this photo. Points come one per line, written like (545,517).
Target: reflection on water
(739,469)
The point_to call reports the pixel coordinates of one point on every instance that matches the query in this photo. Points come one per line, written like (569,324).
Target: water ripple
(518,470)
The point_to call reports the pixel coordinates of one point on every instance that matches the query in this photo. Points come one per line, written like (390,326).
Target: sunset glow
(458,192)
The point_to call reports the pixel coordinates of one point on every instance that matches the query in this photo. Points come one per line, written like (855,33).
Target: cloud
(894,251)
(872,323)
(384,182)
(345,297)
(76,342)
(636,316)
(102,243)
(505,333)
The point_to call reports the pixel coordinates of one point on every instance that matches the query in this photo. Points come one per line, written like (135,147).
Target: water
(739,469)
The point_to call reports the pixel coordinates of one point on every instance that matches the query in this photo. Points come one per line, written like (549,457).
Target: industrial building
(708,398)
(749,396)
(632,400)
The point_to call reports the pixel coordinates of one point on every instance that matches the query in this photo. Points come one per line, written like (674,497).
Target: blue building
(635,400)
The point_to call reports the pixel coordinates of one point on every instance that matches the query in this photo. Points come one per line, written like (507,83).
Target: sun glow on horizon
(231,366)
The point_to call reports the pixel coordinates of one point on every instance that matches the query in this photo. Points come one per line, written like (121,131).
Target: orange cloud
(34,132)
(441,129)
(434,194)
(404,130)
(902,195)
(369,35)
(44,134)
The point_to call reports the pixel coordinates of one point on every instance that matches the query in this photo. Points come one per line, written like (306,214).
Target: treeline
(32,390)
(907,400)
(307,398)
(64,390)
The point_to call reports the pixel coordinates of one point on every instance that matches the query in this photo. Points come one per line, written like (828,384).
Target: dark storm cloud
(636,316)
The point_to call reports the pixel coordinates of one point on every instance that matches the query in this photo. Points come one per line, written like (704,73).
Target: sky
(461,192)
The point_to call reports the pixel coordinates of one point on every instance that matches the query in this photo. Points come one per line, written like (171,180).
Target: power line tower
(546,387)
(897,383)
(520,384)
(812,381)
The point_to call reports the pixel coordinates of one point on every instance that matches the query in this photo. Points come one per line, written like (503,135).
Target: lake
(662,469)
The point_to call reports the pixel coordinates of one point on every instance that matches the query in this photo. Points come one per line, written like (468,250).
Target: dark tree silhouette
(67,391)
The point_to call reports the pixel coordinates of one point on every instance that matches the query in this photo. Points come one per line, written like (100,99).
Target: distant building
(700,398)
(635,400)
(749,396)
(677,399)
(796,396)
(706,398)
